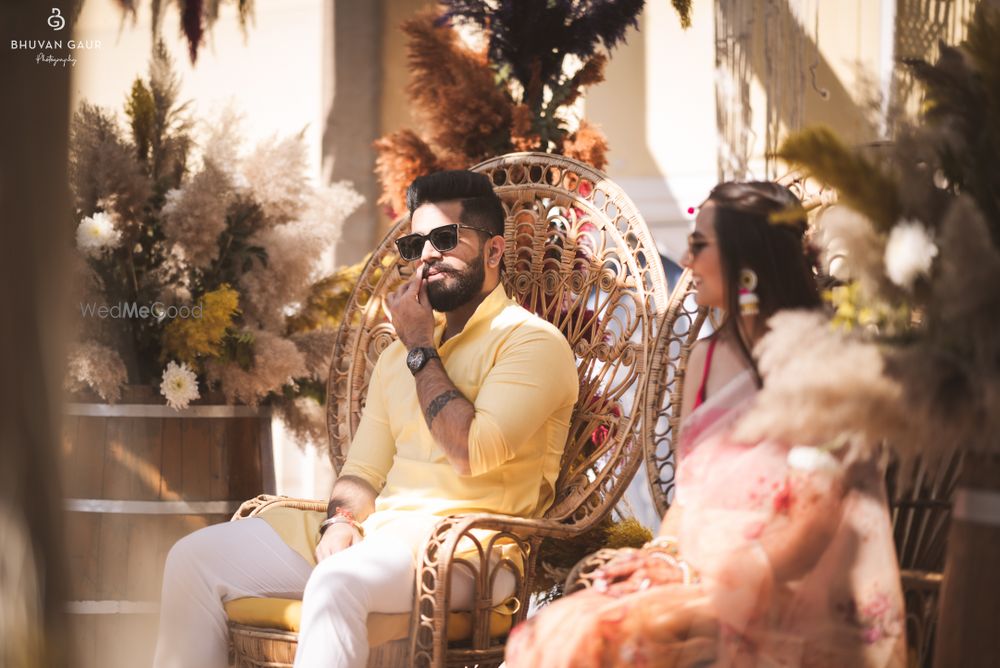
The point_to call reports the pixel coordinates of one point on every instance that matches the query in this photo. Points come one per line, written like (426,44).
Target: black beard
(447,295)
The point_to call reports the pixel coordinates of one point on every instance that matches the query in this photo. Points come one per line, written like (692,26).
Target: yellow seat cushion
(285,614)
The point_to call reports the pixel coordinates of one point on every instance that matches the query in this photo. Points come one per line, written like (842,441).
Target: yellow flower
(868,317)
(188,338)
(629,532)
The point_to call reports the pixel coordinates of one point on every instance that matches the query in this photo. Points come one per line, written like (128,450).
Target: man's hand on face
(337,537)
(411,313)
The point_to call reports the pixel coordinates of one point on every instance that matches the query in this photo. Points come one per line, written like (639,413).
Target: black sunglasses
(697,245)
(443,238)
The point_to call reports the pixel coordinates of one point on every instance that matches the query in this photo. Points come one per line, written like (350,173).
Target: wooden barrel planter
(970,606)
(138,476)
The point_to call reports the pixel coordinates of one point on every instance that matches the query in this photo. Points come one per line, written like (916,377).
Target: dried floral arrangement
(914,356)
(197,18)
(558,557)
(515,92)
(226,249)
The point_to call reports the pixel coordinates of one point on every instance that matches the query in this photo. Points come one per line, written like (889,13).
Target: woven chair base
(491,658)
(262,648)
(267,648)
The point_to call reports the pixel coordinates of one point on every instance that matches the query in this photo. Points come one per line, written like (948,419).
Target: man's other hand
(337,537)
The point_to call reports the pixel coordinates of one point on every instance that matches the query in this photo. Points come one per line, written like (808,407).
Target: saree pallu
(794,557)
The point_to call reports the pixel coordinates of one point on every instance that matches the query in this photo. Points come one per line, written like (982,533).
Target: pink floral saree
(791,551)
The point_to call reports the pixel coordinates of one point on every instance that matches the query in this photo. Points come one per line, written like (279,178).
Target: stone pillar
(352,74)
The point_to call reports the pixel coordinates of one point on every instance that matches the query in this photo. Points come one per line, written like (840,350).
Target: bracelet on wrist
(669,544)
(341,516)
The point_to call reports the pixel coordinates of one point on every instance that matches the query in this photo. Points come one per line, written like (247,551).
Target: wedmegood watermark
(132,310)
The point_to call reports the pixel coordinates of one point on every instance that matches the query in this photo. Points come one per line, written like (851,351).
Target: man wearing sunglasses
(468,411)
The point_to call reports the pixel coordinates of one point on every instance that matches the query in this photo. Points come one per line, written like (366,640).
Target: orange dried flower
(454,92)
(402,157)
(588,144)
(521,134)
(588,75)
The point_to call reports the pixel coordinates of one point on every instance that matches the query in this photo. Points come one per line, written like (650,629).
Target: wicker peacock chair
(579,255)
(919,492)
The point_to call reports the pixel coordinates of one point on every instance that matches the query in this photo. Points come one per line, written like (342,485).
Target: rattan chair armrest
(260,503)
(438,562)
(581,577)
(525,527)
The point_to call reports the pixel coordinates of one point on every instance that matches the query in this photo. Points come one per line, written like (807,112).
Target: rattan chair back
(579,255)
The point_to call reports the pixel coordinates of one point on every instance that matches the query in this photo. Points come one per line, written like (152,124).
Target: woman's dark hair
(760,226)
(480,205)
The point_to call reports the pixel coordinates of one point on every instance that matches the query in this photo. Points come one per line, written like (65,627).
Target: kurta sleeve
(373,447)
(534,376)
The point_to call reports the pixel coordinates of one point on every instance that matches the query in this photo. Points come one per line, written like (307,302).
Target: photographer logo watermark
(55,52)
(133,310)
(56,20)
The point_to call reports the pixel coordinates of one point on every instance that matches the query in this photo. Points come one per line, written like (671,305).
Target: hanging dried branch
(196,18)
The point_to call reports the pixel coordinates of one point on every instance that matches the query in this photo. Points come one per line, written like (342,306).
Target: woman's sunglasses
(443,238)
(696,245)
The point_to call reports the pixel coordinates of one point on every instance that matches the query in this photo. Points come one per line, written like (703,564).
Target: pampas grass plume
(98,367)
(861,185)
(276,362)
(820,384)
(454,92)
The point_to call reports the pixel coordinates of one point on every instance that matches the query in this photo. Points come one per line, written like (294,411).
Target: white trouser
(247,558)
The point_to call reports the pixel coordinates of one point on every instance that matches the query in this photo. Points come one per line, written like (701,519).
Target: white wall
(273,76)
(657,105)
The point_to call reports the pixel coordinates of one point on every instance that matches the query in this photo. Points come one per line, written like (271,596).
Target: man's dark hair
(480,205)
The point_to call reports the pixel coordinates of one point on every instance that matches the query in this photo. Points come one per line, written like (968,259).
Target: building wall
(658,107)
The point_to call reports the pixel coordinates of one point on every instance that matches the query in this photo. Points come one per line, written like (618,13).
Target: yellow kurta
(519,372)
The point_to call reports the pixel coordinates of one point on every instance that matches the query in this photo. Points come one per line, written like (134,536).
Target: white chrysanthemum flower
(97,234)
(179,386)
(171,200)
(809,459)
(909,253)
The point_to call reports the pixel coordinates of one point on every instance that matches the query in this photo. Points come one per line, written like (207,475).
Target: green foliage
(861,185)
(237,347)
(141,111)
(237,254)
(170,140)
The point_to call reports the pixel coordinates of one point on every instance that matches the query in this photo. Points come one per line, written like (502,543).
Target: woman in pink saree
(771,554)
